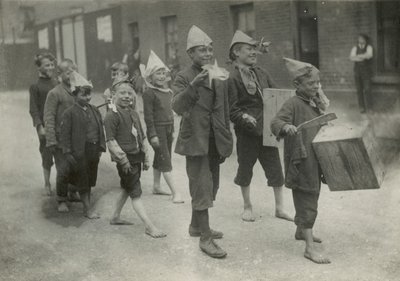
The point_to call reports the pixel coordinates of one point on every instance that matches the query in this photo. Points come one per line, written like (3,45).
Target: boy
(204,137)
(82,140)
(37,98)
(118,69)
(126,142)
(159,120)
(246,84)
(303,173)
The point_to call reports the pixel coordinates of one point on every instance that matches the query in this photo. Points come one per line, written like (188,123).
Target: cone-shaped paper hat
(298,68)
(154,63)
(241,37)
(197,37)
(78,80)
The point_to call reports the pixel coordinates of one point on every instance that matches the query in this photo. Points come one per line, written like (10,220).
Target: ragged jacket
(202,109)
(243,102)
(301,165)
(74,128)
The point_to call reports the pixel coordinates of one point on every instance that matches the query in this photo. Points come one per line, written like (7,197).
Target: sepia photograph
(200,140)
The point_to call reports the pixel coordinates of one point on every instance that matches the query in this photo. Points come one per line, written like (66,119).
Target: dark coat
(301,165)
(73,130)
(241,101)
(201,109)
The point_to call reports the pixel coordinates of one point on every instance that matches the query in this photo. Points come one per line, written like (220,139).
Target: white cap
(154,63)
(241,37)
(298,68)
(197,37)
(78,80)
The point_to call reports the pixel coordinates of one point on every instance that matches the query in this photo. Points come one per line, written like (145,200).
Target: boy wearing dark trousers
(127,146)
(204,137)
(303,174)
(82,141)
(246,83)
(37,98)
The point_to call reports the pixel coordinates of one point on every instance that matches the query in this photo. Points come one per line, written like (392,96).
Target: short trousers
(249,149)
(306,206)
(203,174)
(162,154)
(47,155)
(131,182)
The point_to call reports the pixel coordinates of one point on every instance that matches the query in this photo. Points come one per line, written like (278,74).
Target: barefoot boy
(159,120)
(246,84)
(126,142)
(204,137)
(37,98)
(82,140)
(303,174)
(118,69)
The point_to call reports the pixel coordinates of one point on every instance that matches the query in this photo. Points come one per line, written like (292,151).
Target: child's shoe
(211,248)
(195,232)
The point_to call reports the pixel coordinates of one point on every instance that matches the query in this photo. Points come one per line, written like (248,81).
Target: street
(360,229)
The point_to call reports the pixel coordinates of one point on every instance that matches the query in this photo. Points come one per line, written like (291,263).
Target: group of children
(206,106)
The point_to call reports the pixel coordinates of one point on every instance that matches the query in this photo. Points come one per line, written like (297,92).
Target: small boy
(303,174)
(118,69)
(82,140)
(159,118)
(37,98)
(126,142)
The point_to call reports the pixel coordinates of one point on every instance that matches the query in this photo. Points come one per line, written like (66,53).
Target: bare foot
(155,233)
(299,236)
(120,222)
(92,215)
(247,215)
(315,257)
(62,207)
(159,191)
(47,190)
(177,199)
(283,215)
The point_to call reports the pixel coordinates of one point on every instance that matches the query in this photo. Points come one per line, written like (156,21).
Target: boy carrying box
(126,142)
(303,174)
(82,140)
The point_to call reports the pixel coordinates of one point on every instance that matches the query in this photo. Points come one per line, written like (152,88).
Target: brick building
(320,32)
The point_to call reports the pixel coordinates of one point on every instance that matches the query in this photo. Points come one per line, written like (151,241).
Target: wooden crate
(350,157)
(273,99)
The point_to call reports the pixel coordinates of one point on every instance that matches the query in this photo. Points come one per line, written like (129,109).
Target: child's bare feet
(155,233)
(62,207)
(47,190)
(300,236)
(247,215)
(177,199)
(159,191)
(119,221)
(283,215)
(316,257)
(91,215)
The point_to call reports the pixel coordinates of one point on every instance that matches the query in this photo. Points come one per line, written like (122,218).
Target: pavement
(360,229)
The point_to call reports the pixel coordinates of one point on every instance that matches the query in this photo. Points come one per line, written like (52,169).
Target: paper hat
(298,68)
(241,37)
(197,37)
(154,63)
(78,80)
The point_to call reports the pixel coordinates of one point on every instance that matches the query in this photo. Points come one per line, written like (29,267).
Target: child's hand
(198,80)
(146,166)
(289,130)
(70,159)
(127,168)
(155,142)
(41,131)
(249,119)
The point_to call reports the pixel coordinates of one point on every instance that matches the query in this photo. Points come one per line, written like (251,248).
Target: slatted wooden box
(350,157)
(273,99)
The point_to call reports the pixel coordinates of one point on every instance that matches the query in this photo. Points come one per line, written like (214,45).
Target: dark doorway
(308,32)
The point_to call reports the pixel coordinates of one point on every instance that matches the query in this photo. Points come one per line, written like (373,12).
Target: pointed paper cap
(154,63)
(241,37)
(78,80)
(197,37)
(298,68)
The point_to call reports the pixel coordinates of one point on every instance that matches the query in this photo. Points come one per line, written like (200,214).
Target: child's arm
(117,154)
(111,122)
(148,107)
(66,137)
(50,112)
(282,123)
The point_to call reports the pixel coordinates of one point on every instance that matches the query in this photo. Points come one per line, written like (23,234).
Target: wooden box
(350,157)
(273,99)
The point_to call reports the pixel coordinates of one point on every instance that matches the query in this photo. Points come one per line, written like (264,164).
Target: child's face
(202,55)
(308,85)
(83,97)
(46,67)
(159,77)
(246,54)
(124,95)
(65,72)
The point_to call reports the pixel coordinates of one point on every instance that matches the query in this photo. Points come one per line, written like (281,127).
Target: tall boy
(303,173)
(246,84)
(126,142)
(82,140)
(204,137)
(37,98)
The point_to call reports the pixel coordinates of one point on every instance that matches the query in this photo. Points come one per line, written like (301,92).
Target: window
(244,18)
(388,36)
(133,58)
(104,28)
(27,18)
(308,32)
(171,40)
(43,38)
